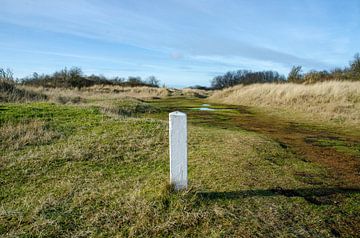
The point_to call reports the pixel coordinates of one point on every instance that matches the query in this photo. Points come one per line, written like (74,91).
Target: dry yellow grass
(330,101)
(113,99)
(190,92)
(102,92)
(9,92)
(112,92)
(136,92)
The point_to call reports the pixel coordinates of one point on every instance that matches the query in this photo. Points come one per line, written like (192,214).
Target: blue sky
(182,42)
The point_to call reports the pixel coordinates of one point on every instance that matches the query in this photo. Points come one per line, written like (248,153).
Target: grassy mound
(335,100)
(113,92)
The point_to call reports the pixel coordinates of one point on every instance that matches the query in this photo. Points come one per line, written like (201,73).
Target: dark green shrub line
(75,78)
(245,77)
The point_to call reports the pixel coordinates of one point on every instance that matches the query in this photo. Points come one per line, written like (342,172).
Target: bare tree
(6,74)
(355,66)
(295,75)
(153,81)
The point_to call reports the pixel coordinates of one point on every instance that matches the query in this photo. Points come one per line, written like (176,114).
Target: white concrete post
(178,150)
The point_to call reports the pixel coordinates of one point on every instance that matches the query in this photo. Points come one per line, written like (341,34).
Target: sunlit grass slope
(111,92)
(330,101)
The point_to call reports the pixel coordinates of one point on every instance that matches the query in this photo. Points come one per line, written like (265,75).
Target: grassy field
(99,167)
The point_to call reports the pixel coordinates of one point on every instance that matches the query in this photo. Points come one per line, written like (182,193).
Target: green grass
(124,108)
(100,175)
(65,119)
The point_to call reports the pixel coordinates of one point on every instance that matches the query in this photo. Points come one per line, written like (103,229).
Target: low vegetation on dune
(98,92)
(106,93)
(143,92)
(9,92)
(337,101)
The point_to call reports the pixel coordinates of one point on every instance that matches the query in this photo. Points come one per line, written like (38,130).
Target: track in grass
(339,152)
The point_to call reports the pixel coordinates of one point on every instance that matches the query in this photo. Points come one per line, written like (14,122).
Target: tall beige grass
(334,100)
(101,92)
(113,92)
(9,92)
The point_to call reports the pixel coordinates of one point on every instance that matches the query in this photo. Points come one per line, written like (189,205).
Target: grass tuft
(15,136)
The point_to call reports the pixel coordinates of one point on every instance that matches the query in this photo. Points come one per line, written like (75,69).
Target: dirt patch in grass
(344,166)
(342,145)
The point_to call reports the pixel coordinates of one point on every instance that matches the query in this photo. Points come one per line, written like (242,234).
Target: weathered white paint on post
(178,150)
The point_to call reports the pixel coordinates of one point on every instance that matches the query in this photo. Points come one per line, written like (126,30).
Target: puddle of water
(204,109)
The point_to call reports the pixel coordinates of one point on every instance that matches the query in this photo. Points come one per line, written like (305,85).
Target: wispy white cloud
(99,20)
(205,36)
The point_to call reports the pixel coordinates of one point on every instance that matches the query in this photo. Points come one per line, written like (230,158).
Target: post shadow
(319,196)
